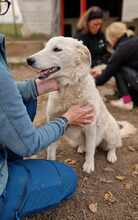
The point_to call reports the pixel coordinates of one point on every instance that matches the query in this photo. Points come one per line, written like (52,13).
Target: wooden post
(62,17)
(83,6)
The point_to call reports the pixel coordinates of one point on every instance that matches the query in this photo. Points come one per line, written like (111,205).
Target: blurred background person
(89,30)
(123,65)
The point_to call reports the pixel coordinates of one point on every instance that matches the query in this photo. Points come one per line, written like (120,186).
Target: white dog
(68,61)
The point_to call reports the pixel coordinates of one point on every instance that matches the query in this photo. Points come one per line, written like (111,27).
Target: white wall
(37,16)
(130,10)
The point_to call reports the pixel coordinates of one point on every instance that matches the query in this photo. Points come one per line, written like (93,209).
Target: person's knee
(63,176)
(68,178)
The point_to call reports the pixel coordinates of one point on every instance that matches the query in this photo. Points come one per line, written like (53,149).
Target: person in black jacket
(123,66)
(89,31)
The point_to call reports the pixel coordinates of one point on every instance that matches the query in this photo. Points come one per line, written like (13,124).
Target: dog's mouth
(47,72)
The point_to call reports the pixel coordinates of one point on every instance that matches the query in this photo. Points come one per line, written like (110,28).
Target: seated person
(123,65)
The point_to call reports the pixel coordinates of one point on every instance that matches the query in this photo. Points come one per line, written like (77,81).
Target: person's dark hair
(92,13)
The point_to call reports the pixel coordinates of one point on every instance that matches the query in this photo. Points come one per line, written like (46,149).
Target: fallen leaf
(109,197)
(70,161)
(121,178)
(130,148)
(103,180)
(93,207)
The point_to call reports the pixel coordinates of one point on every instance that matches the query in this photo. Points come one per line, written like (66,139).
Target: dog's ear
(84,54)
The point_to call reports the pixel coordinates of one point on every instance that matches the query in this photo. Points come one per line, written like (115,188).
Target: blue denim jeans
(35,185)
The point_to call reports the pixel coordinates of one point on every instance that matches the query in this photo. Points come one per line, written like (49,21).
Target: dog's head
(62,58)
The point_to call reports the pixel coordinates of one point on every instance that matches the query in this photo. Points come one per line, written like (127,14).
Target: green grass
(14,32)
(11,31)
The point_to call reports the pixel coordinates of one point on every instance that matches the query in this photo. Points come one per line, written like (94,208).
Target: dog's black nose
(30,61)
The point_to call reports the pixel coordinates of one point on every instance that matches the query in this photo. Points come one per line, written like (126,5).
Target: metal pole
(83,6)
(62,17)
(14,18)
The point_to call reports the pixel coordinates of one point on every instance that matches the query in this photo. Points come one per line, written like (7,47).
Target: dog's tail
(126,129)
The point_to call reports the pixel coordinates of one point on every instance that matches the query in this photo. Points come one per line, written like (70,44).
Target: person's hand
(45,86)
(95,71)
(80,115)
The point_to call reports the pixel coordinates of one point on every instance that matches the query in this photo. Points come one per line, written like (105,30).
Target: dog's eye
(56,49)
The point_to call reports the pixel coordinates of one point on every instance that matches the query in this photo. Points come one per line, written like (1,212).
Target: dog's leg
(111,155)
(114,141)
(81,149)
(51,151)
(90,138)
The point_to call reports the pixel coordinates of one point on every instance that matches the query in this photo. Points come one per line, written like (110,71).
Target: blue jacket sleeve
(27,89)
(17,130)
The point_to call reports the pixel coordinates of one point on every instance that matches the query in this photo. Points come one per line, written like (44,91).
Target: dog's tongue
(43,74)
(46,72)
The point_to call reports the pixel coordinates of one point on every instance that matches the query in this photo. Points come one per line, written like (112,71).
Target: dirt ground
(111,192)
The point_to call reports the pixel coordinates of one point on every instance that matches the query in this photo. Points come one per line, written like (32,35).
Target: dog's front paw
(80,149)
(111,156)
(88,167)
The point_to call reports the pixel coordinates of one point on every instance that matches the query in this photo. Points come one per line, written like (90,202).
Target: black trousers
(124,84)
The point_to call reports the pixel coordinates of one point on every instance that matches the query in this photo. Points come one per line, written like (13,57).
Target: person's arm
(106,54)
(102,78)
(17,130)
(30,89)
(118,59)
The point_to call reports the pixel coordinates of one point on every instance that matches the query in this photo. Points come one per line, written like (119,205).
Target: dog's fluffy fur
(77,86)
